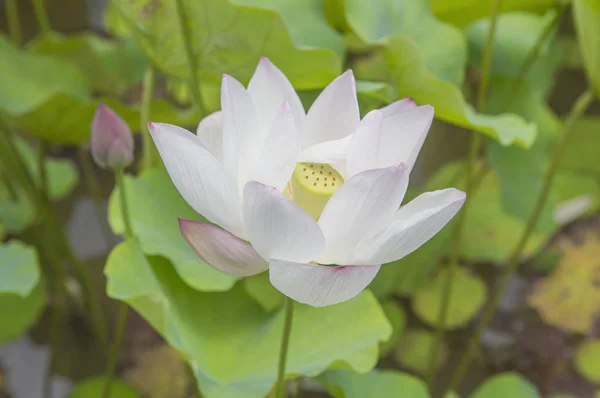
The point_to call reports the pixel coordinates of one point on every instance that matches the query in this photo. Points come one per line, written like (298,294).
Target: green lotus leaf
(226,38)
(22,296)
(154,206)
(214,330)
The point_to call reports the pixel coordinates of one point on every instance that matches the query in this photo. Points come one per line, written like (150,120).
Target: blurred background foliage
(197,332)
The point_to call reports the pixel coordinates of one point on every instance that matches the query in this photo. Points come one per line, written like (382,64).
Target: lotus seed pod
(312,186)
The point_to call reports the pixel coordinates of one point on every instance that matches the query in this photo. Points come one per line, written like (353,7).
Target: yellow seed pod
(312,186)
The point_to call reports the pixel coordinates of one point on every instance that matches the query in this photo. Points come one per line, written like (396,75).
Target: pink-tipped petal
(363,150)
(210,133)
(276,163)
(112,142)
(268,88)
(199,177)
(403,135)
(277,227)
(320,285)
(222,250)
(242,139)
(364,205)
(414,224)
(334,114)
(402,105)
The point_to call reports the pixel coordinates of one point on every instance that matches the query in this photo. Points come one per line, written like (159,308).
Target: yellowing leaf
(570,297)
(376,384)
(414,348)
(505,385)
(159,372)
(468,296)
(587,360)
(397,317)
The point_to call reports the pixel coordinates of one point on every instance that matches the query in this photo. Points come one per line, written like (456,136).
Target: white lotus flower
(307,191)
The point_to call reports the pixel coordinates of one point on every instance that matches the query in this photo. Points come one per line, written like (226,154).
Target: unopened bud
(112,141)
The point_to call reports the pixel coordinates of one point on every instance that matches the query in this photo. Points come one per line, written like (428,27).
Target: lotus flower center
(312,186)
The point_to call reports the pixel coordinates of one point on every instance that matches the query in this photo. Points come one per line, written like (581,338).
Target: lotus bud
(112,140)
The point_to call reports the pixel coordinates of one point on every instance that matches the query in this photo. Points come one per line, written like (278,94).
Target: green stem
(471,176)
(8,184)
(149,151)
(59,238)
(87,284)
(120,178)
(533,54)
(58,314)
(94,190)
(11,159)
(13,22)
(285,341)
(41,16)
(115,348)
(53,256)
(123,309)
(576,112)
(187,43)
(43,188)
(62,245)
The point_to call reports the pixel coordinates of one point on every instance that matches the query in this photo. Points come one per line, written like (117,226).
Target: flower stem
(576,112)
(58,314)
(149,151)
(4,177)
(187,43)
(12,161)
(43,189)
(85,279)
(14,166)
(285,341)
(471,177)
(120,178)
(41,16)
(94,190)
(13,22)
(115,349)
(534,53)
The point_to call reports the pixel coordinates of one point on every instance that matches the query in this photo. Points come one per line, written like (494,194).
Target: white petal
(198,176)
(414,224)
(363,206)
(276,163)
(210,133)
(334,114)
(277,228)
(399,106)
(328,152)
(320,285)
(403,136)
(222,250)
(242,140)
(268,88)
(363,150)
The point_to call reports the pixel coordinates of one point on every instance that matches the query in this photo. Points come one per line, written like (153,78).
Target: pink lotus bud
(112,141)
